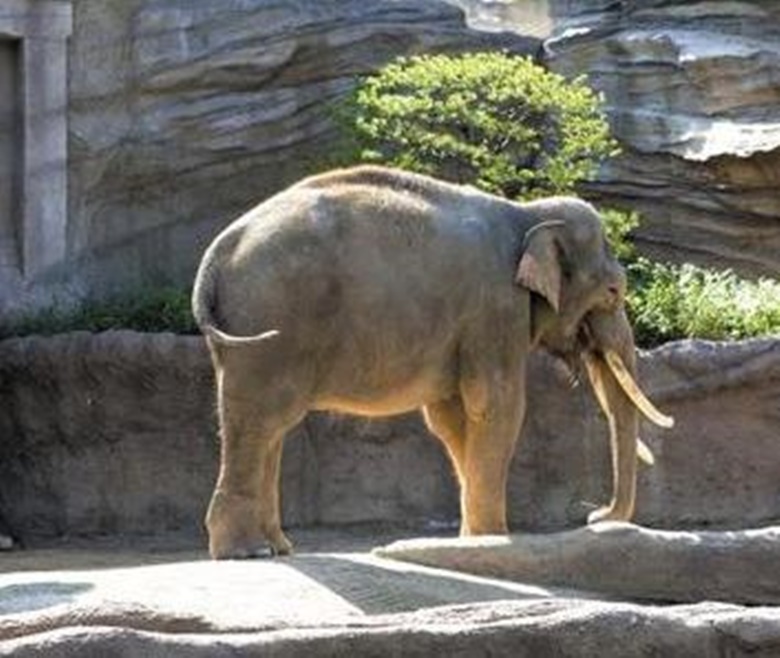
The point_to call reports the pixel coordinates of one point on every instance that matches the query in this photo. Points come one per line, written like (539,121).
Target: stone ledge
(351,603)
(618,560)
(115,434)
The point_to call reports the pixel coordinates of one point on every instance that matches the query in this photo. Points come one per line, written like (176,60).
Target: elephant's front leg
(494,416)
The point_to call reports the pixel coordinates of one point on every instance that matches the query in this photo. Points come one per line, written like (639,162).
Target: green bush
(493,120)
(618,225)
(665,302)
(669,302)
(148,310)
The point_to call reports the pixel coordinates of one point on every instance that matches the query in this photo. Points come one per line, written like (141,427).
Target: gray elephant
(374,291)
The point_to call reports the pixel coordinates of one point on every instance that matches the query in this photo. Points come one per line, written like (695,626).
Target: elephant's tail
(204,302)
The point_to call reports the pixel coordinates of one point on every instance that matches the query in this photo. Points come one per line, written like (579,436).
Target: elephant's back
(336,250)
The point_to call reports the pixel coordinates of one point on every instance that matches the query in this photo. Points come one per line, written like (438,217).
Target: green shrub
(493,120)
(665,302)
(148,310)
(669,302)
(618,225)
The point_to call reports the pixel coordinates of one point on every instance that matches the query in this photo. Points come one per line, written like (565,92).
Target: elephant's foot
(236,531)
(483,517)
(483,526)
(245,548)
(609,513)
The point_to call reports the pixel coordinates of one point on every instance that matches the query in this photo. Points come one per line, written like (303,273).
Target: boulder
(691,91)
(618,560)
(115,434)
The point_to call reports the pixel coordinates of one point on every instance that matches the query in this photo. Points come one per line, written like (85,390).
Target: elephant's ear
(540,265)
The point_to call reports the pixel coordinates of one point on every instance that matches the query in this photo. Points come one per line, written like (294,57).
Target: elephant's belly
(388,400)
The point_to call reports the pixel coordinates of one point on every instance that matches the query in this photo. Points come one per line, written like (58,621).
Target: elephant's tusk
(632,390)
(644,453)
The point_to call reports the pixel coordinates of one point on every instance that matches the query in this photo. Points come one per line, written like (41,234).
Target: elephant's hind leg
(447,421)
(244,514)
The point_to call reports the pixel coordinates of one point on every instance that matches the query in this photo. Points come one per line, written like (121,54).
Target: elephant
(374,291)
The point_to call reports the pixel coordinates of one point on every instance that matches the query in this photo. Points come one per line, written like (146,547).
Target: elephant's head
(567,262)
(578,314)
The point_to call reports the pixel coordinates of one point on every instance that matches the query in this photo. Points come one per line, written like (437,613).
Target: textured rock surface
(184,114)
(693,94)
(619,560)
(115,434)
(105,434)
(350,603)
(498,629)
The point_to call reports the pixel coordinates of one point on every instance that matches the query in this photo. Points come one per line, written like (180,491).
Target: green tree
(493,120)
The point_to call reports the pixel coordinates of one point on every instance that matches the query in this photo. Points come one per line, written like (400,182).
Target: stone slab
(619,560)
(334,600)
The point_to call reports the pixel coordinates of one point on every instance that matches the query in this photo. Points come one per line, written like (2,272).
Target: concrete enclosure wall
(115,433)
(33,145)
(9,152)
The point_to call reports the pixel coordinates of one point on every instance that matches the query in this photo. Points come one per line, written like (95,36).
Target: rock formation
(328,604)
(693,96)
(183,115)
(618,560)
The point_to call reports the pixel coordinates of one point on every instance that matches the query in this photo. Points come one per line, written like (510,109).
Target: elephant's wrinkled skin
(373,291)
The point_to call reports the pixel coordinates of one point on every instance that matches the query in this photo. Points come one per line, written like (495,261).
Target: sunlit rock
(692,93)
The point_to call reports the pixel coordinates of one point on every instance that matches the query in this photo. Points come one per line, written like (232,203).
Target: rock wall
(183,115)
(115,433)
(693,95)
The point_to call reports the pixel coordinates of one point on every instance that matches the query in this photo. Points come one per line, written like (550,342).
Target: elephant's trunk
(610,357)
(622,416)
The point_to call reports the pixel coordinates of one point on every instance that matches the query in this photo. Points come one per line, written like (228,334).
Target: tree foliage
(493,120)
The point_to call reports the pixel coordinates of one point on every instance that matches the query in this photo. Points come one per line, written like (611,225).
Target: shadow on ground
(29,597)
(382,587)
